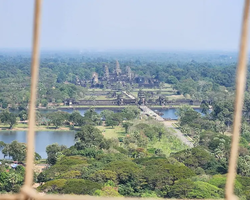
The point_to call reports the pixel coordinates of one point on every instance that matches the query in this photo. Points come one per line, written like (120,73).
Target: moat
(167,113)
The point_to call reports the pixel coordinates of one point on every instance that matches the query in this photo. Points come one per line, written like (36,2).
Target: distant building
(113,80)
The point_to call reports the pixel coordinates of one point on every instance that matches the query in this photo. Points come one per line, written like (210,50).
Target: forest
(195,75)
(145,159)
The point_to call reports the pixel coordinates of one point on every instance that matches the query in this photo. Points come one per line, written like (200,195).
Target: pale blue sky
(124,24)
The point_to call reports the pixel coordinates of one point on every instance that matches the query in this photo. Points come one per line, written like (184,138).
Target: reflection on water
(43,139)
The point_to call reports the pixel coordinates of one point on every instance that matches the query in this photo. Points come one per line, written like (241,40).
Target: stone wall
(97,102)
(131,102)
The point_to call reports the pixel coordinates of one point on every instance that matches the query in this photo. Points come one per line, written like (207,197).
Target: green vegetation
(142,158)
(119,153)
(109,132)
(11,179)
(16,151)
(201,77)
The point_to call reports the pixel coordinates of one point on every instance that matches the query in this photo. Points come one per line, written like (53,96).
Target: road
(178,133)
(147,111)
(128,95)
(168,124)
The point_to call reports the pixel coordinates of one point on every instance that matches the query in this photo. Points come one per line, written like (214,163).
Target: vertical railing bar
(239,99)
(33,88)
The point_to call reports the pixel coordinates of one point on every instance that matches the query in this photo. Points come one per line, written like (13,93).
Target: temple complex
(112,79)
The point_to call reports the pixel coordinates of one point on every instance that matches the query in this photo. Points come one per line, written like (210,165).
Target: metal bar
(239,99)
(32,103)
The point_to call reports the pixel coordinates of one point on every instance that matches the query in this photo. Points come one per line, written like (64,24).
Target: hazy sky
(124,24)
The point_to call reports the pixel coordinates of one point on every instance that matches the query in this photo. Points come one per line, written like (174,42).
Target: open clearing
(110,132)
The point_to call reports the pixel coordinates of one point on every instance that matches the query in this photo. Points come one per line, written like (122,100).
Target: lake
(42,140)
(45,138)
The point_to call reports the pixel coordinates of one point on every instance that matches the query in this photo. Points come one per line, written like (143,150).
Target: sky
(124,24)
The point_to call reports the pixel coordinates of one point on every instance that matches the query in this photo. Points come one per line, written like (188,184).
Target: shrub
(204,190)
(121,150)
(71,174)
(107,191)
(220,182)
(107,158)
(126,170)
(72,160)
(80,186)
(54,186)
(103,176)
(181,188)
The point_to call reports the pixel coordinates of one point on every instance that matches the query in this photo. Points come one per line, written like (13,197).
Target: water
(170,113)
(82,110)
(167,113)
(42,139)
(45,138)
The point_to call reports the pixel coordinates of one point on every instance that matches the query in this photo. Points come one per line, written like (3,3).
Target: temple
(112,80)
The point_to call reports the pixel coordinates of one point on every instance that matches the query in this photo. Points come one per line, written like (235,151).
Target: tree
(44,102)
(102,176)
(111,122)
(61,77)
(223,111)
(180,112)
(181,189)
(80,186)
(37,156)
(189,117)
(88,136)
(23,115)
(126,125)
(8,118)
(2,144)
(195,157)
(204,107)
(57,118)
(105,114)
(130,113)
(126,171)
(161,173)
(220,182)
(91,117)
(108,191)
(15,150)
(202,190)
(4,104)
(52,152)
(76,118)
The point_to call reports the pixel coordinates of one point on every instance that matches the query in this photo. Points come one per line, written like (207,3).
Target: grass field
(167,144)
(99,97)
(24,127)
(176,97)
(98,90)
(109,132)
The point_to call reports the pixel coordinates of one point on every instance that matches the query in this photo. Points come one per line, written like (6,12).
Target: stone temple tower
(129,73)
(106,72)
(118,70)
(94,78)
